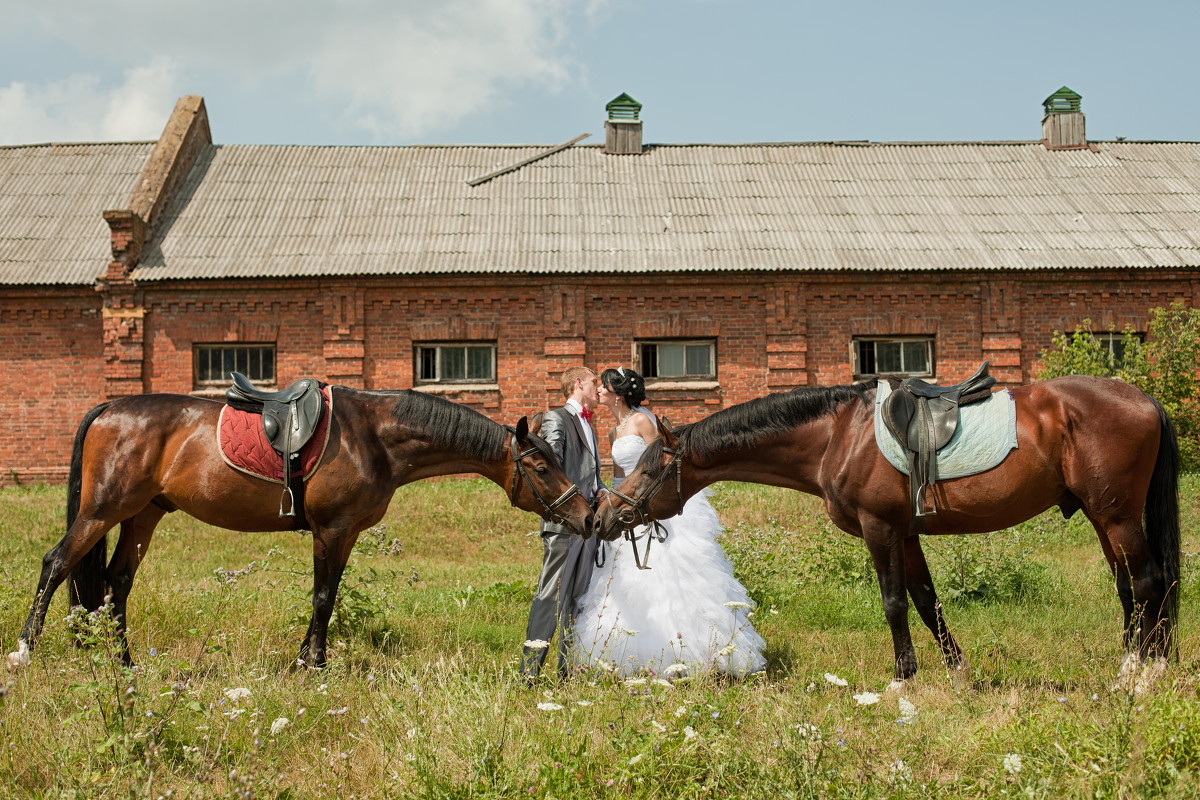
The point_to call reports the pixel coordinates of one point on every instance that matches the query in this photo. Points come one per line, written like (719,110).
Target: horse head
(653,491)
(539,484)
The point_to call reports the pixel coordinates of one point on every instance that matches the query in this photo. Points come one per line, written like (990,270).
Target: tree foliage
(1164,366)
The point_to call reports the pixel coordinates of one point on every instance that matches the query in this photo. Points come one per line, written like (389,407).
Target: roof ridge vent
(623,108)
(623,129)
(1063,124)
(1062,101)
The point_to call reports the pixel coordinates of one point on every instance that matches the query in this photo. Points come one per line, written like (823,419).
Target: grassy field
(421,698)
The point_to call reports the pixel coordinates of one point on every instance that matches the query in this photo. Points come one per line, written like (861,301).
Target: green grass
(421,697)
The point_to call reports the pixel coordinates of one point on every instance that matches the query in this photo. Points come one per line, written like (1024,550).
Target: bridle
(551,509)
(654,531)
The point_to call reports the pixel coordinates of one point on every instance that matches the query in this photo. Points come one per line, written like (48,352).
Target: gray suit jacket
(563,431)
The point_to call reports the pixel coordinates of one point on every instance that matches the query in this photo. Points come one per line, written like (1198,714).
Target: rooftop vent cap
(1063,101)
(623,108)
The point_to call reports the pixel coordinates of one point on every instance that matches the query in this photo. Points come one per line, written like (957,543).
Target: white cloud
(411,74)
(139,108)
(80,109)
(397,69)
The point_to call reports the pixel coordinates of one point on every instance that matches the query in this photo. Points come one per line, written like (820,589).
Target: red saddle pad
(244,446)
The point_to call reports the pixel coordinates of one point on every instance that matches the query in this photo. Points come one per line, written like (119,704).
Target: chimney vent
(623,129)
(1063,125)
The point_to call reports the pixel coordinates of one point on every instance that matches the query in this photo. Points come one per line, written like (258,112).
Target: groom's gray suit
(566,558)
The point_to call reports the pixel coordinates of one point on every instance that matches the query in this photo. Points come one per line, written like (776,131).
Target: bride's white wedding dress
(688,609)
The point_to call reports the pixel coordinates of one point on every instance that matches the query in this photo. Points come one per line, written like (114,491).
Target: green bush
(1163,366)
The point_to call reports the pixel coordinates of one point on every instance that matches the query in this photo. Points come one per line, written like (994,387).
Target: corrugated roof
(252,211)
(51,200)
(275,211)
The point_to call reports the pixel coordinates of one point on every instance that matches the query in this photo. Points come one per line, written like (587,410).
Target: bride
(686,616)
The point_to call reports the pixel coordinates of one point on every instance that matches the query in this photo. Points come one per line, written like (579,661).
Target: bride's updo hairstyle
(625,383)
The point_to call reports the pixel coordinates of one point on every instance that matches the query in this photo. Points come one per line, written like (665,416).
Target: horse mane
(451,425)
(742,426)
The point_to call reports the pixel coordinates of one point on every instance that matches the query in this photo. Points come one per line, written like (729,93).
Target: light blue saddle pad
(987,431)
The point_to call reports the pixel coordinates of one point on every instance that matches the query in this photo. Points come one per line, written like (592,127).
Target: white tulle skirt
(686,615)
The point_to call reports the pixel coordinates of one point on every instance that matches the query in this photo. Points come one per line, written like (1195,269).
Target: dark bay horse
(1086,444)
(137,458)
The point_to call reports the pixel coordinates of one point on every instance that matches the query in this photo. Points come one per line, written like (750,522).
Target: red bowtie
(586,415)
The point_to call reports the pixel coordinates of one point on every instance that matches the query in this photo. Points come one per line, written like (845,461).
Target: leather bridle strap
(654,529)
(519,472)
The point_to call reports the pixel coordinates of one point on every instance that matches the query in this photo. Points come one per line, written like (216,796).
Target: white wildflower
(583,702)
(679,712)
(675,669)
(1012,763)
(727,650)
(661,682)
(606,666)
(834,679)
(629,631)
(658,726)
(908,712)
(536,644)
(635,681)
(808,731)
(237,695)
(549,707)
(279,725)
(900,772)
(736,604)
(636,759)
(689,732)
(866,698)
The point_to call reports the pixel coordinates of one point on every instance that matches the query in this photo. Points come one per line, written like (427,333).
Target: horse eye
(541,469)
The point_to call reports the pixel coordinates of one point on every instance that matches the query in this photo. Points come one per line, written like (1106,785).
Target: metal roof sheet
(51,200)
(247,211)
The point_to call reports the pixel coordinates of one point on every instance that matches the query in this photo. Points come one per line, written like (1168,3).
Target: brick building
(723,272)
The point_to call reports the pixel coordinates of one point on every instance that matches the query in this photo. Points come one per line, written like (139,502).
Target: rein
(519,472)
(654,530)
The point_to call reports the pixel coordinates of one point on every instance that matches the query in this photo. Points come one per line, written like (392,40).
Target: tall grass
(422,700)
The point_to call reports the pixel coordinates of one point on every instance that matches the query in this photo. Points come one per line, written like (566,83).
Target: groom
(566,558)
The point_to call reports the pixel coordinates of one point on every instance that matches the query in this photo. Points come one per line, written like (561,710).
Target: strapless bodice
(627,450)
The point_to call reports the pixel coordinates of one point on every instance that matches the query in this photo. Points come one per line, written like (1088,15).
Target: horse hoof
(21,657)
(896,686)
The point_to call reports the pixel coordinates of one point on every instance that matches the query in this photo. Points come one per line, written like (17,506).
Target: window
(215,363)
(911,356)
(457,362)
(1114,345)
(680,360)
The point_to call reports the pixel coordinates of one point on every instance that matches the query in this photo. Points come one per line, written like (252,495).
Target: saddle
(289,416)
(923,418)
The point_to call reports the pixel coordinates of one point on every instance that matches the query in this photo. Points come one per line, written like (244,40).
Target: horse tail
(86,583)
(1162,516)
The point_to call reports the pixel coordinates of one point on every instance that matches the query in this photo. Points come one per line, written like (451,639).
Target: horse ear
(537,422)
(522,429)
(664,430)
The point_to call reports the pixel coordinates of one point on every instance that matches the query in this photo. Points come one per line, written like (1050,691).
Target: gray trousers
(567,562)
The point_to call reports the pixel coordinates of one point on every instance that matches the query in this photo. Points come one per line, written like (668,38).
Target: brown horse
(137,458)
(1090,444)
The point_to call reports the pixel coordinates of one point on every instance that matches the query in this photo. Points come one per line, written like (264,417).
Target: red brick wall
(772,332)
(52,368)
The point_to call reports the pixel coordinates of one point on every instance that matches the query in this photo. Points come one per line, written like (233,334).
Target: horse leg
(56,566)
(887,552)
(1140,586)
(924,597)
(331,551)
(131,548)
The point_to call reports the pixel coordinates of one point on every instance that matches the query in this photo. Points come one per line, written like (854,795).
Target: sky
(395,72)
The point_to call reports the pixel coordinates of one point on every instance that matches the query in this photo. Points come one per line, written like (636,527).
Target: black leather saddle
(290,417)
(923,418)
